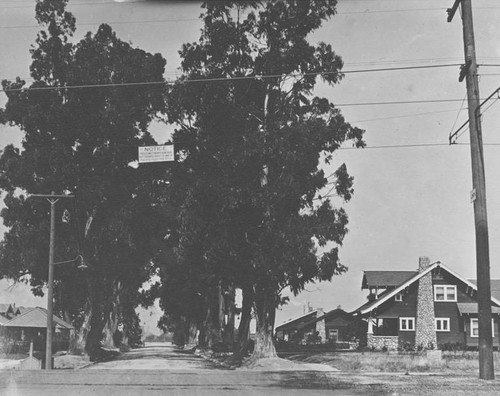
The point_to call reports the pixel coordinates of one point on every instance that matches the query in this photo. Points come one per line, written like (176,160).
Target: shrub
(452,346)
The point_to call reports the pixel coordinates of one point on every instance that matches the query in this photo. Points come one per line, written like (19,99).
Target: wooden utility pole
(52,198)
(469,72)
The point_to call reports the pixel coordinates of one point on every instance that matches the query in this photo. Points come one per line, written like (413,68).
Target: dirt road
(156,357)
(160,370)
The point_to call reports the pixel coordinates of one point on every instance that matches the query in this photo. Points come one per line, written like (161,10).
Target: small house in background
(30,325)
(293,330)
(334,327)
(430,308)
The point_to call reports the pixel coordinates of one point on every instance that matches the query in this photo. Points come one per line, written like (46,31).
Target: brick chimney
(425,331)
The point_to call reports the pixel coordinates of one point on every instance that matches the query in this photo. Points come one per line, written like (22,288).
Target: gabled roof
(391,293)
(312,314)
(4,308)
(36,317)
(3,320)
(385,279)
(333,313)
(23,309)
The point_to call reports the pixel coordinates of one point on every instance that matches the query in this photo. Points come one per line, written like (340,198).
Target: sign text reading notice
(156,153)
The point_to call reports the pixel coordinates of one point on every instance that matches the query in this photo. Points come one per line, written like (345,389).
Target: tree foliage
(252,136)
(81,130)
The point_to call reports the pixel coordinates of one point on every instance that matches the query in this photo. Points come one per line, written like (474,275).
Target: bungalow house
(335,326)
(292,330)
(30,324)
(427,308)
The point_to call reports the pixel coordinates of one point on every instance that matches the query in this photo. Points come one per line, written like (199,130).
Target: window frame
(398,297)
(476,320)
(442,320)
(445,293)
(408,320)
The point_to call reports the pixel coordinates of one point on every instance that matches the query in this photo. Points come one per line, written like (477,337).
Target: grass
(394,362)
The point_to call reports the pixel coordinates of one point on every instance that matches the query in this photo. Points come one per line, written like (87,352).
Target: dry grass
(70,361)
(394,362)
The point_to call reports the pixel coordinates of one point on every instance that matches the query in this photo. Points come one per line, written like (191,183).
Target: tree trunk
(112,316)
(265,310)
(97,321)
(228,317)
(244,327)
(109,330)
(77,344)
(192,336)
(213,319)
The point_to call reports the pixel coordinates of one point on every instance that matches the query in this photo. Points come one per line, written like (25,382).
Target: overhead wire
(402,62)
(226,79)
(458,114)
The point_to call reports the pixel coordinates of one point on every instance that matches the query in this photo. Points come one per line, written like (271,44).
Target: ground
(160,369)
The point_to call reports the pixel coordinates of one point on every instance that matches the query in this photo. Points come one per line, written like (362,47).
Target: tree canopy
(81,129)
(252,136)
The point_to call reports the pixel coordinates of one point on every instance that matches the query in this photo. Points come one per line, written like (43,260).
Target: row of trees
(241,208)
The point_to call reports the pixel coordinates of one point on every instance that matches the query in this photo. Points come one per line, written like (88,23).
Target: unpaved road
(165,370)
(156,357)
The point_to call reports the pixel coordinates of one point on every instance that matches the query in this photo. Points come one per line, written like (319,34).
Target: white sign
(156,153)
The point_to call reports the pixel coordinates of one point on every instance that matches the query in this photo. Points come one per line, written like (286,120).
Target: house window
(445,293)
(398,297)
(442,324)
(474,327)
(407,324)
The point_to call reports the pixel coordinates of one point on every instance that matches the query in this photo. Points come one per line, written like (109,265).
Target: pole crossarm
(451,11)
(453,136)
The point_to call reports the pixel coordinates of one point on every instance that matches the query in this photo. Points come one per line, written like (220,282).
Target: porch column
(370,325)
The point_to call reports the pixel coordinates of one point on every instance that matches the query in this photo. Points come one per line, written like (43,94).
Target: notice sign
(156,153)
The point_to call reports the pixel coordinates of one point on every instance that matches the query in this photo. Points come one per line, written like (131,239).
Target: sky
(411,188)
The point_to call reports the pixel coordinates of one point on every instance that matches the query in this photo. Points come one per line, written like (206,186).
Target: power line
(404,62)
(109,23)
(422,145)
(221,79)
(403,116)
(365,12)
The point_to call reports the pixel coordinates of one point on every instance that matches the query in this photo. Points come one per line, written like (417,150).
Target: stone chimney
(425,331)
(321,325)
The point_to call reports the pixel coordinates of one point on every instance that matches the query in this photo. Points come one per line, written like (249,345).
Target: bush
(453,346)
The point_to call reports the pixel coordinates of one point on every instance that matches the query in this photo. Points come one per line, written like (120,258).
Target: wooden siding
(406,337)
(405,308)
(338,324)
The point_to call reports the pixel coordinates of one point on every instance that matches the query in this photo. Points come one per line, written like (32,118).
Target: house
(427,308)
(30,324)
(335,326)
(293,330)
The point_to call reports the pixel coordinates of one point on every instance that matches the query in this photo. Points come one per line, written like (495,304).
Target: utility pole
(469,73)
(52,198)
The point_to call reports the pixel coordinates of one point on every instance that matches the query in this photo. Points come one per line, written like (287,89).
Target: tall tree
(252,137)
(81,126)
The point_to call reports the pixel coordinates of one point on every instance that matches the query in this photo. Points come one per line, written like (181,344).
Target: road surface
(167,371)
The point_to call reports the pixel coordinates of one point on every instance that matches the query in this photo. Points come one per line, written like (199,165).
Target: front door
(333,335)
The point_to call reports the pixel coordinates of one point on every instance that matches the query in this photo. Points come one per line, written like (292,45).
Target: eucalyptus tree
(252,137)
(82,118)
